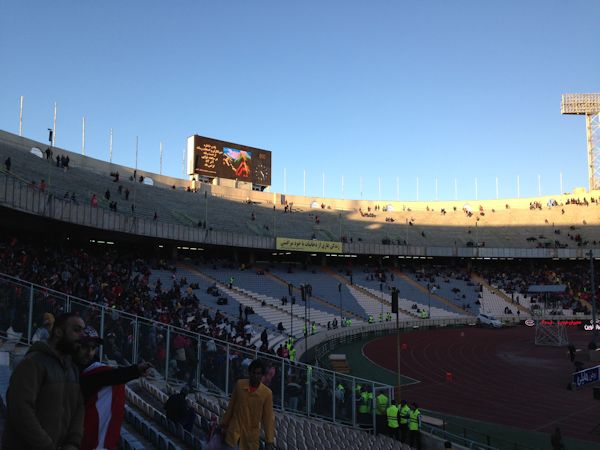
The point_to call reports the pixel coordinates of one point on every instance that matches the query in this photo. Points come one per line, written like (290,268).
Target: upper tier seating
(415,223)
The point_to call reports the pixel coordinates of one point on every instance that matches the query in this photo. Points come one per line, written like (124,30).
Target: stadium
(420,317)
(475,303)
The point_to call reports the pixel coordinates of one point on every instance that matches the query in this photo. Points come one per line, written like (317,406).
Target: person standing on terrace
(103,392)
(250,406)
(44,401)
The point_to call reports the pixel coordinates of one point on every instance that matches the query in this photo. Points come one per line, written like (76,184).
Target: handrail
(175,329)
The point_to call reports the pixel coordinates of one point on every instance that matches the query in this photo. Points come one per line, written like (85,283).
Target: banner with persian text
(306,245)
(587,376)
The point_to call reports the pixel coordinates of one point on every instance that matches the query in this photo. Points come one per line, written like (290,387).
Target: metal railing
(183,356)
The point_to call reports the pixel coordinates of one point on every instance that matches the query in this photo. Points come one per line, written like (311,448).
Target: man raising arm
(103,393)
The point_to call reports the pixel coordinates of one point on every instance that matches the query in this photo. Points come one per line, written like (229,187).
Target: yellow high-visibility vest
(392,416)
(414,422)
(404,414)
(382,403)
(365,405)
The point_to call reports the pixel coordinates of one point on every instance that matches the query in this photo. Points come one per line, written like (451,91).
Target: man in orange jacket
(250,406)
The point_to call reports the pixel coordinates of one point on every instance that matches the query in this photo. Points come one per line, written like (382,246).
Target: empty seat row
(146,429)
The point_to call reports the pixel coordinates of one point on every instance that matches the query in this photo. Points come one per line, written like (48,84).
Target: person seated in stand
(178,409)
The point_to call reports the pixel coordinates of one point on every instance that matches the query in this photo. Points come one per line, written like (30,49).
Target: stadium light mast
(588,105)
(21,117)
(83,135)
(594,308)
(110,146)
(161,157)
(54,127)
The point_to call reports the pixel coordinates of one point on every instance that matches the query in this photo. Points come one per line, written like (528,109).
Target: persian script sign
(308,245)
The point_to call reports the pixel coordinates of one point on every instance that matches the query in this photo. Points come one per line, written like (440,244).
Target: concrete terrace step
(270,314)
(450,306)
(322,293)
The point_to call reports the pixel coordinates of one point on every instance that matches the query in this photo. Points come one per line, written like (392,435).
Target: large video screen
(222,159)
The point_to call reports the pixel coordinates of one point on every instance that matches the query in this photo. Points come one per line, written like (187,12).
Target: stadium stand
(513,223)
(105,274)
(187,313)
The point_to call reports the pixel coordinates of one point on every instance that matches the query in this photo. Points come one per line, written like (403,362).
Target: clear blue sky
(446,89)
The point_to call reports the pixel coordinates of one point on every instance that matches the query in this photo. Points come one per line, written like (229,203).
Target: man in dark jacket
(44,402)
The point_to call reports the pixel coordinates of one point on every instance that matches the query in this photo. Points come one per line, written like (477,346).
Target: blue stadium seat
(146,430)
(162,443)
(153,435)
(172,427)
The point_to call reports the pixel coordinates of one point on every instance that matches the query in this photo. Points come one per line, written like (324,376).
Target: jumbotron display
(214,158)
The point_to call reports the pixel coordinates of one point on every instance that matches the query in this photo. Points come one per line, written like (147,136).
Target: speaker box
(597,393)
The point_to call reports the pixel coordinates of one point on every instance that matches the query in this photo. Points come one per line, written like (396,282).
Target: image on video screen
(238,161)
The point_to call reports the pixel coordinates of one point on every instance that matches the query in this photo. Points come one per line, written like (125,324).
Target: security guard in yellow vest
(292,354)
(314,328)
(414,427)
(392,420)
(357,398)
(404,416)
(364,408)
(371,319)
(381,401)
(340,398)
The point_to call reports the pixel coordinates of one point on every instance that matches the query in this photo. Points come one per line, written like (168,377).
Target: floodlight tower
(588,105)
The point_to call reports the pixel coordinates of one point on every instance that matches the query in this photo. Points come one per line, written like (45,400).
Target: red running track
(499,376)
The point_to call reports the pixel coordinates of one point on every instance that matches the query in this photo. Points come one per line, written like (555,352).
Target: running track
(499,376)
